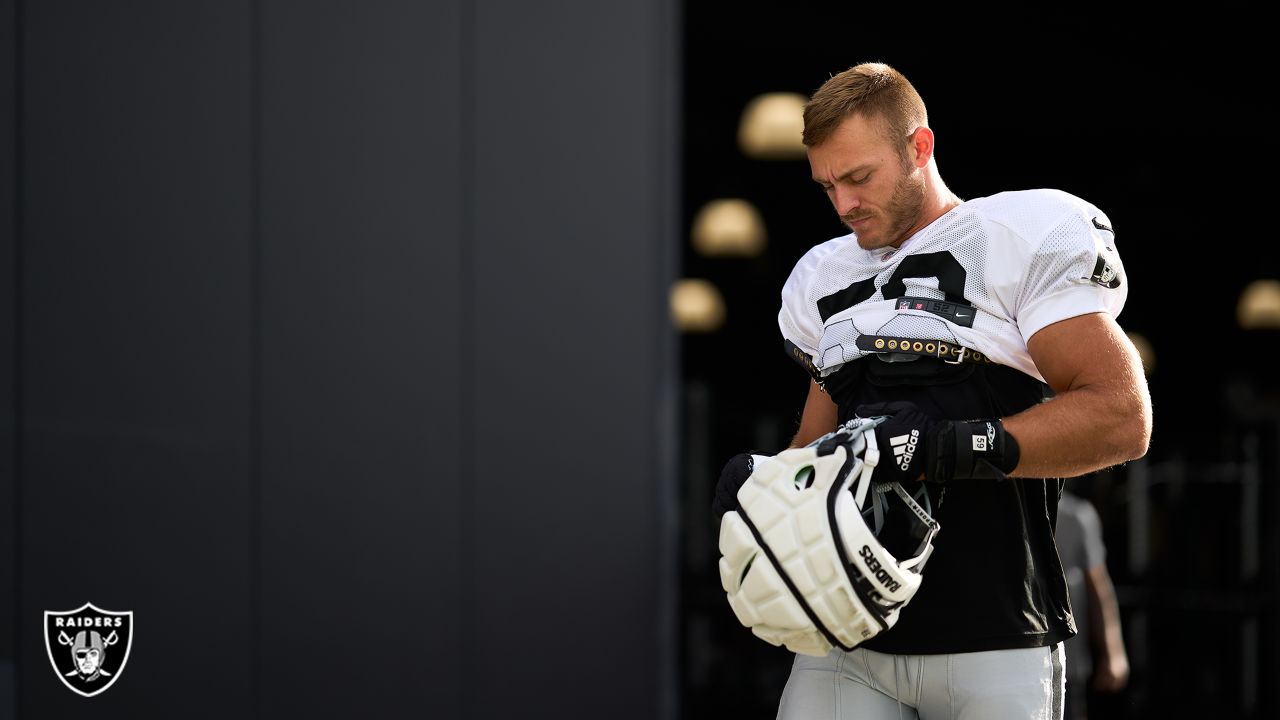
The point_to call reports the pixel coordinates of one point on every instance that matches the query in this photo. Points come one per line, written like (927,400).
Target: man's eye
(862,179)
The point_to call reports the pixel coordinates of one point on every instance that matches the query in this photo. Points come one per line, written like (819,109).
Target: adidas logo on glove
(904,448)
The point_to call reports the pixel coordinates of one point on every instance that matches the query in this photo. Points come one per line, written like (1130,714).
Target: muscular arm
(1101,415)
(819,417)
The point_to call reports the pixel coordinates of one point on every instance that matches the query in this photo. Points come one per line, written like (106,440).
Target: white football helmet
(800,564)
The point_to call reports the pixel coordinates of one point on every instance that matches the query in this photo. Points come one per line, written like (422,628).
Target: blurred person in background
(1093,605)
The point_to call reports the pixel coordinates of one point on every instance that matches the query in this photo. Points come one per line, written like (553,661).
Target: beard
(899,215)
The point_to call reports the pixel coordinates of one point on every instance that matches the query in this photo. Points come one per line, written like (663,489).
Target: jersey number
(942,266)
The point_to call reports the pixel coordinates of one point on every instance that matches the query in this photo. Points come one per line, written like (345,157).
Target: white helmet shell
(799,564)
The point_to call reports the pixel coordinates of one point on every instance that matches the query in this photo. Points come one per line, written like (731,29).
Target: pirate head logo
(1104,274)
(88,646)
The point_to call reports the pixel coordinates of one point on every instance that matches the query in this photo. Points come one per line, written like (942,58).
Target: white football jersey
(986,276)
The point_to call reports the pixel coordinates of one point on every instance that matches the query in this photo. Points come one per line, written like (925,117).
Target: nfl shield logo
(88,646)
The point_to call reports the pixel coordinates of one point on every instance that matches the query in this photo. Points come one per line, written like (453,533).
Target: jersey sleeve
(1074,269)
(798,319)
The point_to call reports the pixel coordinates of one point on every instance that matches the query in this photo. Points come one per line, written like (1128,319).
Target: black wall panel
(135,349)
(335,347)
(9,299)
(362,440)
(570,232)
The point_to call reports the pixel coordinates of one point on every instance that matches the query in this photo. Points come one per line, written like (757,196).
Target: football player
(986,331)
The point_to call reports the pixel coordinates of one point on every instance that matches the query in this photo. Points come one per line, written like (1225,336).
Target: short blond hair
(874,90)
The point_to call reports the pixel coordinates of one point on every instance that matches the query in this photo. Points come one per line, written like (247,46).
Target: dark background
(313,325)
(334,340)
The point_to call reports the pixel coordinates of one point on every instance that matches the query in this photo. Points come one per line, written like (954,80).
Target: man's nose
(845,199)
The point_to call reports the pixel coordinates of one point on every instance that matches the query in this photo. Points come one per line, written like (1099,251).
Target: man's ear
(921,146)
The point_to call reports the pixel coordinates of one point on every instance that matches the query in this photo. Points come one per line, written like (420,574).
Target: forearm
(819,417)
(1105,618)
(1112,672)
(1082,430)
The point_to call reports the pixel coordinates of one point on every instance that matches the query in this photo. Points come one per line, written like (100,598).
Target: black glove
(940,449)
(732,477)
(904,440)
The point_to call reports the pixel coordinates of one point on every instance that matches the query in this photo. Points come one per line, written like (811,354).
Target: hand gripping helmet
(800,564)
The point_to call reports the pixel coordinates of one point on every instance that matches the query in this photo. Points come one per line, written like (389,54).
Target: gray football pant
(1022,684)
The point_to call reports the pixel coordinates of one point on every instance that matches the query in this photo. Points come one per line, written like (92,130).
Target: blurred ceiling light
(1145,351)
(772,126)
(728,228)
(1259,305)
(697,306)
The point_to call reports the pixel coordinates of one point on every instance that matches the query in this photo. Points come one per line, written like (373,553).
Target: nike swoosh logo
(1100,226)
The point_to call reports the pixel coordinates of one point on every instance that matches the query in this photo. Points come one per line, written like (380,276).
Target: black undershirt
(994,580)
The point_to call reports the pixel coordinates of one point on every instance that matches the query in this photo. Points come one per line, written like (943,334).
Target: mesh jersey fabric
(1023,260)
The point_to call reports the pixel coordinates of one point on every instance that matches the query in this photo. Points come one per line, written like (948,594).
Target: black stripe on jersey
(942,266)
(846,298)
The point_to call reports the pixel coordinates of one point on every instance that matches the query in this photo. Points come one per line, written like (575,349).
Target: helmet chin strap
(871,458)
(925,548)
(880,503)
